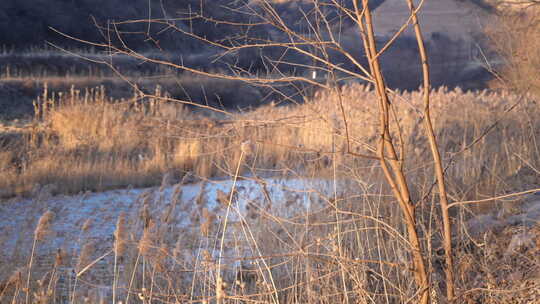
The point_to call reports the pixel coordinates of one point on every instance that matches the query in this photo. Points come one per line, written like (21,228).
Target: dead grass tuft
(44,226)
(120,235)
(85,257)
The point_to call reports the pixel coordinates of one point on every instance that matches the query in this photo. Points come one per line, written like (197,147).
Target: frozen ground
(278,197)
(181,210)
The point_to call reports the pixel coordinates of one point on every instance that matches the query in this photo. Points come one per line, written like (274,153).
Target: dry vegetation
(86,141)
(348,250)
(362,242)
(514,37)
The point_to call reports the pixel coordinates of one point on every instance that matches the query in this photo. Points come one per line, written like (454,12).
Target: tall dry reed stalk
(120,239)
(43,228)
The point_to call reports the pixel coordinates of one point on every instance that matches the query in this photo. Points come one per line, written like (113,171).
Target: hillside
(453,36)
(27,23)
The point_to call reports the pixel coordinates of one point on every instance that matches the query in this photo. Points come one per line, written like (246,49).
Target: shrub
(515,37)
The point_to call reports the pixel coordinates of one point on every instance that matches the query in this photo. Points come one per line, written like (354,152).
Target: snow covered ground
(178,212)
(98,212)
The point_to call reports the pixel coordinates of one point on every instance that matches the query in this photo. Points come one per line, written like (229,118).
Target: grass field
(86,141)
(271,240)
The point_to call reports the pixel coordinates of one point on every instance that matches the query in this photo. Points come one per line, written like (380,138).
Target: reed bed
(347,248)
(86,141)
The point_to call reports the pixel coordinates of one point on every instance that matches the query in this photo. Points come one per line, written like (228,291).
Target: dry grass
(307,256)
(349,250)
(90,142)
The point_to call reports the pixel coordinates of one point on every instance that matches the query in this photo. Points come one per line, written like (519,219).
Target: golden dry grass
(90,142)
(350,251)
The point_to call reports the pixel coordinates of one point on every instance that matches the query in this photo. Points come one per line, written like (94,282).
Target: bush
(516,38)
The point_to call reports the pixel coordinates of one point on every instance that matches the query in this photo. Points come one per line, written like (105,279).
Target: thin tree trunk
(447,225)
(393,173)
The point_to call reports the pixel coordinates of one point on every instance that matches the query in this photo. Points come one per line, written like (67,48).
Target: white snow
(282,198)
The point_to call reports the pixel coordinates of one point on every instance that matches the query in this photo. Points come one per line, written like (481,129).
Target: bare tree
(514,36)
(294,51)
